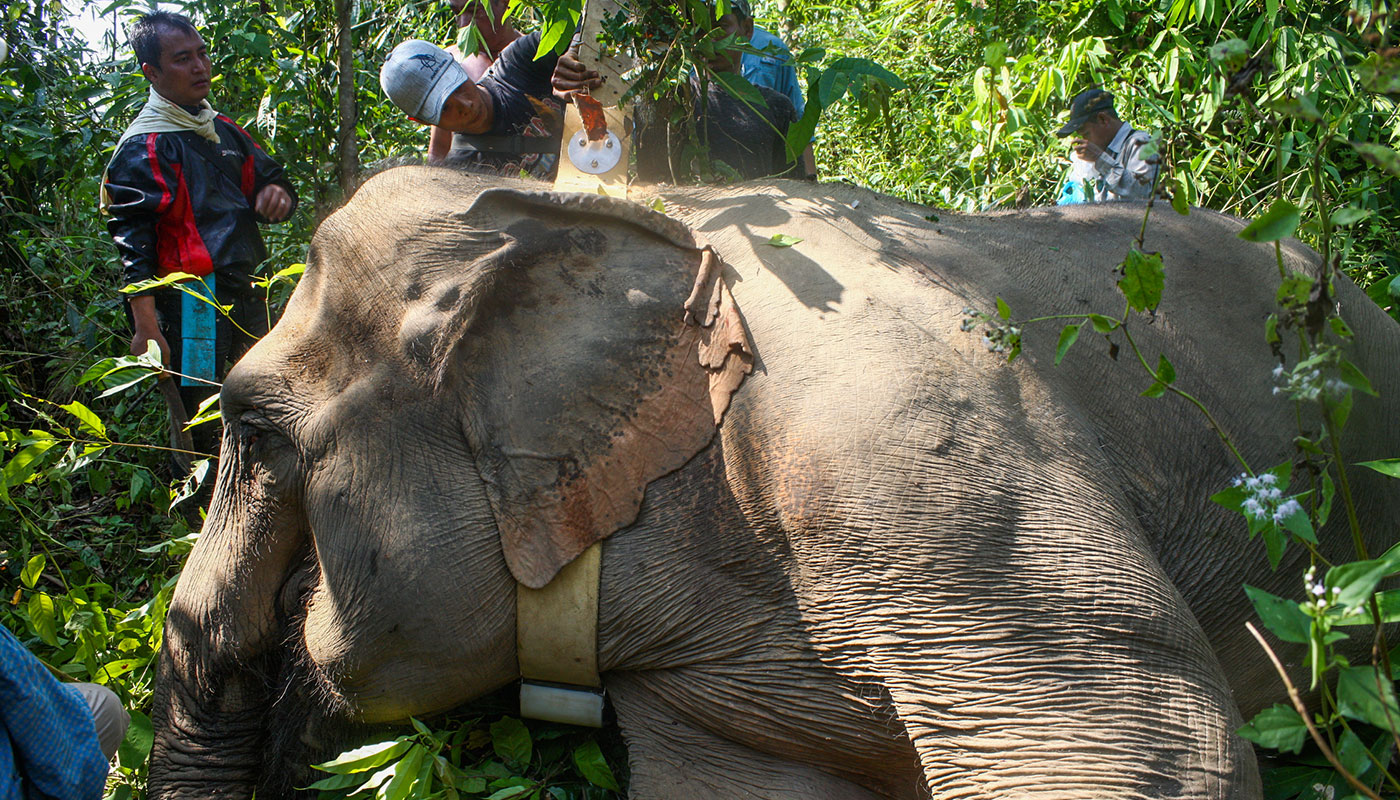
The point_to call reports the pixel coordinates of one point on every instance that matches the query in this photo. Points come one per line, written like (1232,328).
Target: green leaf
(1271,329)
(1279,728)
(1068,335)
(1143,280)
(783,240)
(1179,202)
(1103,324)
(1278,222)
(87,420)
(658,205)
(1379,155)
(1230,54)
(338,782)
(1356,581)
(32,570)
(1282,616)
(1349,215)
(362,759)
(511,740)
(1166,373)
(1385,466)
(591,765)
(42,618)
(1003,310)
(136,746)
(405,774)
(1299,525)
(1352,377)
(1157,389)
(1364,694)
(509,792)
(26,462)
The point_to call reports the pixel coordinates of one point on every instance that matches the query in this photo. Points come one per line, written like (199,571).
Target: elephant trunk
(224,672)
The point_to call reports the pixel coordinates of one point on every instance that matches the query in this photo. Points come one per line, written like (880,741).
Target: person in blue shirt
(773,69)
(57,737)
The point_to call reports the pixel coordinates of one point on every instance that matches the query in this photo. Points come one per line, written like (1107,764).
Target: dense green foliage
(92,529)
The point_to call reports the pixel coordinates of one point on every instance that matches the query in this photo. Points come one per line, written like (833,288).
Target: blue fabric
(49,733)
(775,72)
(1071,190)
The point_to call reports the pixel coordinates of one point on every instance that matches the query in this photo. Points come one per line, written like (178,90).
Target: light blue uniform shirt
(775,72)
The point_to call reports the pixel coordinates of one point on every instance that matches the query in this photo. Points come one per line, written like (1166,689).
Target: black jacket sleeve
(267,172)
(138,182)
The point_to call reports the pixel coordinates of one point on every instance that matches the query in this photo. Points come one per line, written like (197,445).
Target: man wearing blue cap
(1108,162)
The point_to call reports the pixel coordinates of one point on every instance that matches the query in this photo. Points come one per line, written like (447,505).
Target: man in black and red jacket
(186,188)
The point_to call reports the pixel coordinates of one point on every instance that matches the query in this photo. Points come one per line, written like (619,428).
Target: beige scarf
(159,115)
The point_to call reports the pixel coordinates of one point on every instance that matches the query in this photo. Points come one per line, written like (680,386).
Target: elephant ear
(599,354)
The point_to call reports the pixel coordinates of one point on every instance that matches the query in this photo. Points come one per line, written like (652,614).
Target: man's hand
(273,203)
(570,75)
(1086,150)
(143,313)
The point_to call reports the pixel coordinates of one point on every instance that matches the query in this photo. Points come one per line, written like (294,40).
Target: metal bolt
(593,163)
(582,142)
(609,143)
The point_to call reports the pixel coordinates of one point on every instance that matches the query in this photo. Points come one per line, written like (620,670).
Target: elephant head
(525,365)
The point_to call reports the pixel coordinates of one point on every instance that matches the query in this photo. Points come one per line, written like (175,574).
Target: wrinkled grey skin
(902,568)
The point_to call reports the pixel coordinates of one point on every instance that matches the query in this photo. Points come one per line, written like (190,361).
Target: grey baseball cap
(418,76)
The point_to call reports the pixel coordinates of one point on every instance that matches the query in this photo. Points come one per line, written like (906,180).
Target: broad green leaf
(1157,389)
(1143,280)
(208,411)
(124,385)
(1275,542)
(1299,525)
(1068,335)
(338,782)
(1349,215)
(783,240)
(1003,310)
(42,618)
(1230,54)
(591,765)
(26,462)
(740,88)
(1278,222)
(1166,373)
(1103,324)
(87,420)
(157,283)
(362,759)
(1385,466)
(511,740)
(136,746)
(1180,204)
(509,792)
(1379,155)
(32,570)
(1282,616)
(1352,377)
(1278,728)
(406,770)
(1364,694)
(1388,602)
(658,205)
(1356,581)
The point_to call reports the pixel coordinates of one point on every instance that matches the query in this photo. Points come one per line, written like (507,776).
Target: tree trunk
(345,90)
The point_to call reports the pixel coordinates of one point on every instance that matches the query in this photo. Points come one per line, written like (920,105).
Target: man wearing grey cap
(1108,164)
(511,114)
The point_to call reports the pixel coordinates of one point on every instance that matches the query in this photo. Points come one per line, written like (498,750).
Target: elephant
(846,550)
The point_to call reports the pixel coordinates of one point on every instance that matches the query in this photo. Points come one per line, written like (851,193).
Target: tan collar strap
(556,626)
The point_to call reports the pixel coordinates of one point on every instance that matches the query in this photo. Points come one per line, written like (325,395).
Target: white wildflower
(1253,508)
(1278,372)
(1268,479)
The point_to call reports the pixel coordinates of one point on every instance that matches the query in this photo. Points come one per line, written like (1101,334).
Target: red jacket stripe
(179,247)
(155,170)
